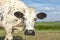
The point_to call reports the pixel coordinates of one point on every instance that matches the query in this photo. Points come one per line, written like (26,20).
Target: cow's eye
(18,14)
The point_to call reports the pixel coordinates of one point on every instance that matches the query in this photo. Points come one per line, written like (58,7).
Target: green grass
(39,35)
(44,31)
(47,25)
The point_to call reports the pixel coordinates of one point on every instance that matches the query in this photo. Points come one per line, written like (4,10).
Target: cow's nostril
(30,32)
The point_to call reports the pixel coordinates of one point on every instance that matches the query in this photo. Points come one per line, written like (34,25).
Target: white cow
(15,15)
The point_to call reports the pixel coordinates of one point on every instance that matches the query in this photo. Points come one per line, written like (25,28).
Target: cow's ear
(18,14)
(41,15)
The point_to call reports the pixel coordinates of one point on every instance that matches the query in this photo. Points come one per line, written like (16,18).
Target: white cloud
(49,8)
(42,7)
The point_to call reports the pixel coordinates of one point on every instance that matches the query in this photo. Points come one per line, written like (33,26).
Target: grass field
(44,31)
(47,26)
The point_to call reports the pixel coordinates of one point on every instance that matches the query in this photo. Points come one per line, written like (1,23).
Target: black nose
(30,32)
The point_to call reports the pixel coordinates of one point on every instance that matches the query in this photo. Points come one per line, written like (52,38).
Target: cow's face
(30,17)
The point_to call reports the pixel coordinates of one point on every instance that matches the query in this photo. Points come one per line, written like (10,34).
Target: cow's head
(30,17)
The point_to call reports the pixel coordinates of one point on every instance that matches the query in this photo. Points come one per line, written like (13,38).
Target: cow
(16,16)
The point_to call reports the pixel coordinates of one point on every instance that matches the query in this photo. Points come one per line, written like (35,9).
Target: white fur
(30,15)
(8,7)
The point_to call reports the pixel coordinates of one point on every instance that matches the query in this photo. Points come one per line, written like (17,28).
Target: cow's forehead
(30,11)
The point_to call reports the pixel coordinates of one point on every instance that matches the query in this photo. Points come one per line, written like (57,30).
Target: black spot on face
(35,19)
(7,38)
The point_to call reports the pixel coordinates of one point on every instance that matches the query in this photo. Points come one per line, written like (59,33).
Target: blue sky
(50,7)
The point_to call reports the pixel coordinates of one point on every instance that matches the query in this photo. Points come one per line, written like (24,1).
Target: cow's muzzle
(30,32)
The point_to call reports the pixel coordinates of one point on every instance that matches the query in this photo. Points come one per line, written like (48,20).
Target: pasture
(47,26)
(44,31)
